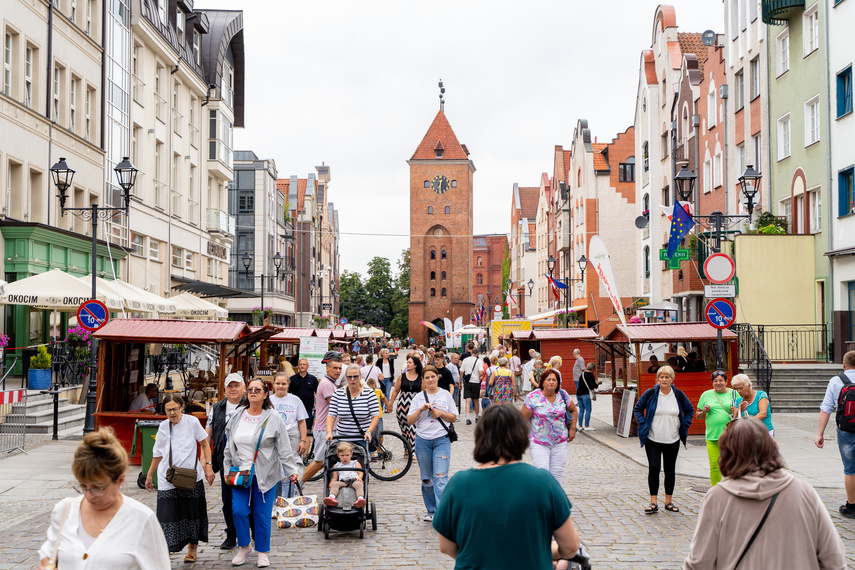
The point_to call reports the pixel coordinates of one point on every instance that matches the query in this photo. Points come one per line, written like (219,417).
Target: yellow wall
(776,279)
(501,328)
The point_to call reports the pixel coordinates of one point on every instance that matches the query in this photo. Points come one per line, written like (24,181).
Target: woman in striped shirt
(354,410)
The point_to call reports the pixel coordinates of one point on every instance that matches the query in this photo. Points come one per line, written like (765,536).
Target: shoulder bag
(757,530)
(52,561)
(449,428)
(372,445)
(568,417)
(241,475)
(181,477)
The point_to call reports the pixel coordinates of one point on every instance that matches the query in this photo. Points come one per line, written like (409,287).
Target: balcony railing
(681,151)
(176,203)
(194,134)
(774,11)
(193,213)
(177,122)
(220,221)
(159,194)
(794,343)
(138,89)
(160,108)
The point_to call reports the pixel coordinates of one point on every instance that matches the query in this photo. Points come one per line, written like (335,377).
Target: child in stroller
(341,479)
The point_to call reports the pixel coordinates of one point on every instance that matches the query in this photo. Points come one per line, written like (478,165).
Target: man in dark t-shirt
(304,385)
(446,378)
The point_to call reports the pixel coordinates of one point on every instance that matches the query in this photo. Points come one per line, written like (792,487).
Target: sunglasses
(255,390)
(352,377)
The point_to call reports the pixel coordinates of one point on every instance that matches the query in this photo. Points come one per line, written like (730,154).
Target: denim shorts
(846,444)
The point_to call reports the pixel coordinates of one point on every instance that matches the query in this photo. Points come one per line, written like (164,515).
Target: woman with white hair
(752,402)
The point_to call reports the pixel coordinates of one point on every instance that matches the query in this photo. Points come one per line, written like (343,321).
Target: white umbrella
(161,304)
(57,290)
(132,300)
(189,305)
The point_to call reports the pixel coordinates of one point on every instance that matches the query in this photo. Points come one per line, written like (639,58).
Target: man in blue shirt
(845,440)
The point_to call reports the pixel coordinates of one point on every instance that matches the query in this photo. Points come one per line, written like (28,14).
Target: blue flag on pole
(681,225)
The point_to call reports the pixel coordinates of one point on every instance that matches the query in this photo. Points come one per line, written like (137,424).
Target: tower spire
(441,98)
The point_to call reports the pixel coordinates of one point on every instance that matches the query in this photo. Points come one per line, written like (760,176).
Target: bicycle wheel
(393,457)
(309,457)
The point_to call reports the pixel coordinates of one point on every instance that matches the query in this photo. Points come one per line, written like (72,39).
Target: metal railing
(795,343)
(138,88)
(220,221)
(177,121)
(159,194)
(774,11)
(753,356)
(194,134)
(69,363)
(160,108)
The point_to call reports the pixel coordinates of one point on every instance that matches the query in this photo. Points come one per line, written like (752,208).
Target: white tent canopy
(136,300)
(55,289)
(189,305)
(470,329)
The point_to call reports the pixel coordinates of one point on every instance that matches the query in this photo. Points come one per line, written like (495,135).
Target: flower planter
(38,379)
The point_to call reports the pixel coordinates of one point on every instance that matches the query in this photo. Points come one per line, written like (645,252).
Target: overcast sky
(354,85)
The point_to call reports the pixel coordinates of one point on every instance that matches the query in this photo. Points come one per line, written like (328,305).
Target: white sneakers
(428,518)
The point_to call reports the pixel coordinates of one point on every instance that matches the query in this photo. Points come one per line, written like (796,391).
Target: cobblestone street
(607,491)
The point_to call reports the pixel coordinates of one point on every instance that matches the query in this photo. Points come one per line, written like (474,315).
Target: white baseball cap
(233,377)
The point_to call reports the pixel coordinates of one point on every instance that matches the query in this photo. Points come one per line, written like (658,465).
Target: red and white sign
(11,397)
(719,268)
(497,309)
(598,255)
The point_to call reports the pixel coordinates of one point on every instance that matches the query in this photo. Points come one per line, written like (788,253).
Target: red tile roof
(440,135)
(600,162)
(528,201)
(177,331)
(567,155)
(562,334)
(691,43)
(672,332)
(282,185)
(532,235)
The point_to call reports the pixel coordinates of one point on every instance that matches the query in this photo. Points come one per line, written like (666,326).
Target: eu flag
(681,225)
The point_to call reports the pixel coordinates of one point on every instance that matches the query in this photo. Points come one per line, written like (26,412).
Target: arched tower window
(430,209)
(443,291)
(443,274)
(433,254)
(646,262)
(443,255)
(480,260)
(448,209)
(432,275)
(432,292)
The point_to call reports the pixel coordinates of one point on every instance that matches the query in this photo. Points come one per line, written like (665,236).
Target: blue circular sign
(343,321)
(720,313)
(92,315)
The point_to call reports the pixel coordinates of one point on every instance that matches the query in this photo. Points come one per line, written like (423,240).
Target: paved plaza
(605,479)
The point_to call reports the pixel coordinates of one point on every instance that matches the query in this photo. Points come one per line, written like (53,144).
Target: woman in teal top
(716,407)
(752,402)
(503,497)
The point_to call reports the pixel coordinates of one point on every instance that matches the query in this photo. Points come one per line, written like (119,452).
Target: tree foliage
(352,297)
(380,299)
(399,325)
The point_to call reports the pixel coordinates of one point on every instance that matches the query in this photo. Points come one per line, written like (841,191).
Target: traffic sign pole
(720,313)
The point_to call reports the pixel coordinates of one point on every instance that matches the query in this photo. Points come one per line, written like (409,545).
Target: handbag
(449,428)
(241,475)
(181,477)
(757,530)
(568,417)
(52,561)
(372,444)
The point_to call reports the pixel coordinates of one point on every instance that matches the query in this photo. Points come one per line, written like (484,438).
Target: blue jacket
(645,409)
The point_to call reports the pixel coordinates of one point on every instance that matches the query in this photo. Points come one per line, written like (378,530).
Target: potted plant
(38,376)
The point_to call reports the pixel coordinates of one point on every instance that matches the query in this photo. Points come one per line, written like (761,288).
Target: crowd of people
(259,431)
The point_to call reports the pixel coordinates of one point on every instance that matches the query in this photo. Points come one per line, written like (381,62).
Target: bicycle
(389,462)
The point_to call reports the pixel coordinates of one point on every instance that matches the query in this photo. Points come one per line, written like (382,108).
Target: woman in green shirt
(716,408)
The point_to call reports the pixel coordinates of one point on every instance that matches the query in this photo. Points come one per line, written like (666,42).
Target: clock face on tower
(440,184)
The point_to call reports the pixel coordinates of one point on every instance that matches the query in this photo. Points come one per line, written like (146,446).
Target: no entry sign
(92,315)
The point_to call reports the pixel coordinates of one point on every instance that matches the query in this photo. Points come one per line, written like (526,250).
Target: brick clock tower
(440,230)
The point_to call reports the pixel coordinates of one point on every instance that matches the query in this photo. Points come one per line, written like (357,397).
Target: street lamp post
(277,263)
(62,176)
(749,183)
(312,286)
(490,303)
(583,265)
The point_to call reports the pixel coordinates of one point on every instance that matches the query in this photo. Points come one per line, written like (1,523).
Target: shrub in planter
(38,376)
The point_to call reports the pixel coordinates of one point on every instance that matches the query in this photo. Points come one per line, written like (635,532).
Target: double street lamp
(62,176)
(583,265)
(277,263)
(521,295)
(749,184)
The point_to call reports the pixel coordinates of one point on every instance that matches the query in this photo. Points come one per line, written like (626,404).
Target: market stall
(122,348)
(556,342)
(697,337)
(286,344)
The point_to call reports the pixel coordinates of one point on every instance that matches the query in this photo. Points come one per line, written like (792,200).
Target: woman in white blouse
(102,528)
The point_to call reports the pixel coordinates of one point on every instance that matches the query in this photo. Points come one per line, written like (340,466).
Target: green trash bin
(146,430)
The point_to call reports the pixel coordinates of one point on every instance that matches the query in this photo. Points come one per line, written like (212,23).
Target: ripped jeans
(434,457)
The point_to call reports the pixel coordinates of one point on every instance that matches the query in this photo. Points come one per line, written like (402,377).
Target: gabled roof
(600,162)
(440,135)
(567,155)
(528,201)
(691,43)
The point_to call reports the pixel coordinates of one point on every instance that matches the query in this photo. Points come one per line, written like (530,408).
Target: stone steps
(798,388)
(37,418)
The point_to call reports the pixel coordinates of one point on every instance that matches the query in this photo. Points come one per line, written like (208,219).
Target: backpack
(846,405)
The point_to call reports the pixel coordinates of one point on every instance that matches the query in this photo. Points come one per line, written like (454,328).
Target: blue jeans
(252,502)
(434,457)
(584,409)
(846,445)
(387,385)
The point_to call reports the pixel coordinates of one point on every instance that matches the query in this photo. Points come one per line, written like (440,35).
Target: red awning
(669,332)
(564,334)
(172,331)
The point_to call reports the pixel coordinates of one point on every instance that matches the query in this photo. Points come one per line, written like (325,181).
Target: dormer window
(438,149)
(197,47)
(179,26)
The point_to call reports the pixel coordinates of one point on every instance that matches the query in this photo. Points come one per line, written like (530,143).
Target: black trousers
(655,453)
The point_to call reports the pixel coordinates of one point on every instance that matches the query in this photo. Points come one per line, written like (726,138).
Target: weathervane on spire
(441,98)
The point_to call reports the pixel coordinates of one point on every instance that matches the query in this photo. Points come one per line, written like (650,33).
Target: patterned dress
(409,389)
(548,420)
(503,386)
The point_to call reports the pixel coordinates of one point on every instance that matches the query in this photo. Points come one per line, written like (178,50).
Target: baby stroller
(345,517)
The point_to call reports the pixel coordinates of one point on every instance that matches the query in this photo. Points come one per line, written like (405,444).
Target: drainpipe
(831,286)
(48,101)
(725,179)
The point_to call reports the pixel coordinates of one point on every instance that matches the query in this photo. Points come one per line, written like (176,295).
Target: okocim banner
(598,255)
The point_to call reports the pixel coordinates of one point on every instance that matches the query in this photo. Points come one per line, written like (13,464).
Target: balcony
(681,152)
(194,135)
(776,11)
(160,108)
(138,87)
(159,194)
(177,121)
(220,222)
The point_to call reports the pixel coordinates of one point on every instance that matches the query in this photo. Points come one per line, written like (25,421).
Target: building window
(626,170)
(812,121)
(28,78)
(179,27)
(161,9)
(645,203)
(844,92)
(427,183)
(755,77)
(711,110)
(454,183)
(432,275)
(740,158)
(846,191)
(815,197)
(72,105)
(707,176)
(87,133)
(784,137)
(448,209)
(246,202)
(479,279)
(211,263)
(443,291)
(646,156)
(430,209)
(220,133)
(718,170)
(442,275)
(137,244)
(646,262)
(443,254)
(433,254)
(432,292)
(153,250)
(227,87)
(87,27)
(189,258)
(480,260)
(8,58)
(782,51)
(739,96)
(57,82)
(758,153)
(810,27)
(177,257)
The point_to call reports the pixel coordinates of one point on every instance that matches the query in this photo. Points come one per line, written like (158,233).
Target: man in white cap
(219,416)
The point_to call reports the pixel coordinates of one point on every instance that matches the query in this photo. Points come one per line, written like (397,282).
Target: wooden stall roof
(292,335)
(182,331)
(668,332)
(554,334)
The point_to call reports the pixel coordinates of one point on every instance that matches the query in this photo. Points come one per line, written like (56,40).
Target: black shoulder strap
(442,423)
(352,412)
(844,378)
(757,530)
